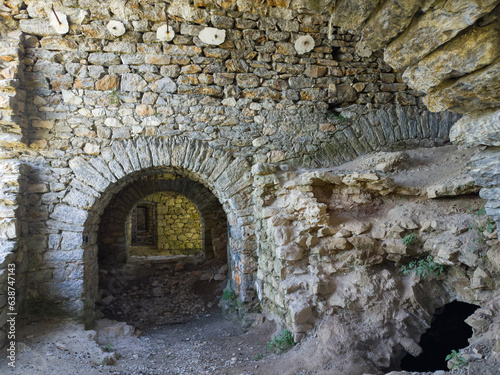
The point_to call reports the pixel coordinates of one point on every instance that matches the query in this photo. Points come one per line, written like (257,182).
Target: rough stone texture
(13,244)
(385,24)
(478,129)
(176,226)
(112,120)
(350,14)
(346,262)
(471,93)
(434,28)
(466,53)
(484,169)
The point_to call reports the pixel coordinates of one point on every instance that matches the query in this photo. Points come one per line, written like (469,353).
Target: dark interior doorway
(448,331)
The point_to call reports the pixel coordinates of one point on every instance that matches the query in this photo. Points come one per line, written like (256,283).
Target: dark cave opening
(448,331)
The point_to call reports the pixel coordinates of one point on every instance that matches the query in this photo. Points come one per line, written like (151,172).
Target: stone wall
(178,226)
(13,121)
(254,94)
(13,245)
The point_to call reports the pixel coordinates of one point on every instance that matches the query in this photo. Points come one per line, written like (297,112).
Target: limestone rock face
(471,131)
(385,24)
(351,14)
(469,52)
(433,29)
(474,92)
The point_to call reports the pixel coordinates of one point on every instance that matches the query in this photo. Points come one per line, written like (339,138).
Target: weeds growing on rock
(483,223)
(282,342)
(107,348)
(457,360)
(228,295)
(115,99)
(423,267)
(409,239)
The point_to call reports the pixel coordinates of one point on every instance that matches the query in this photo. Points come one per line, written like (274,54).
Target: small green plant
(258,357)
(115,99)
(458,361)
(423,267)
(409,239)
(482,223)
(282,342)
(107,347)
(228,295)
(341,118)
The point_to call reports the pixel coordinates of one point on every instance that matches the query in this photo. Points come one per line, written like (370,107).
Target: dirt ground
(206,343)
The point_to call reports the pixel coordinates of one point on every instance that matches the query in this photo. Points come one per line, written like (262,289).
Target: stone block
(108,82)
(71,241)
(300,311)
(300,82)
(245,80)
(363,243)
(88,174)
(104,59)
(337,243)
(48,68)
(68,214)
(58,43)
(480,280)
(395,247)
(164,85)
(223,79)
(37,26)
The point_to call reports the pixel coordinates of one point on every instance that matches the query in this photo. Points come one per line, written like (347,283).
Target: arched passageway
(156,269)
(115,237)
(96,181)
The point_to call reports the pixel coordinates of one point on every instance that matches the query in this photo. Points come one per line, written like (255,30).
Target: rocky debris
(163,297)
(338,238)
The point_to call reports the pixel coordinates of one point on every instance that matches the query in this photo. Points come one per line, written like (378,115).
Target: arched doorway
(97,180)
(165,260)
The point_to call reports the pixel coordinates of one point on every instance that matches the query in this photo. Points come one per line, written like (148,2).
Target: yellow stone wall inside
(178,227)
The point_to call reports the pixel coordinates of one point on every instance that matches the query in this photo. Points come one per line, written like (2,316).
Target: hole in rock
(448,332)
(162,247)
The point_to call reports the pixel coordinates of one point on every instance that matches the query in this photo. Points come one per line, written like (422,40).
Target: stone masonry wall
(254,94)
(178,226)
(13,121)
(13,244)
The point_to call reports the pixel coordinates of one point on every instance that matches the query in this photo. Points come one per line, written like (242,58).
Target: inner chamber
(162,243)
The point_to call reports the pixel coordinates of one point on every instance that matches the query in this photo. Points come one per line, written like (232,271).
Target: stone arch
(98,178)
(112,228)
